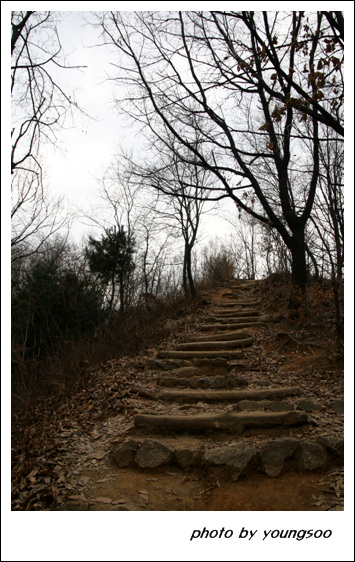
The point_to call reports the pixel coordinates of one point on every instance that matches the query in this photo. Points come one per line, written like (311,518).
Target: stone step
(236,313)
(232,459)
(211,381)
(233,319)
(227,354)
(190,368)
(229,303)
(214,345)
(226,326)
(236,335)
(229,422)
(239,317)
(214,396)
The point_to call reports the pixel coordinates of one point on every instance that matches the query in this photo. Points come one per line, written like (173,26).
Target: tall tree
(111,258)
(182,187)
(39,107)
(240,74)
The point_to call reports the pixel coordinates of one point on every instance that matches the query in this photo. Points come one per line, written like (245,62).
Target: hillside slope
(242,409)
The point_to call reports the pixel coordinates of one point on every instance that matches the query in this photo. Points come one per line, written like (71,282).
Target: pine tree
(111,259)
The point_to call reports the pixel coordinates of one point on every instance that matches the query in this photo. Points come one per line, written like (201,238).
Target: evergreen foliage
(111,259)
(53,305)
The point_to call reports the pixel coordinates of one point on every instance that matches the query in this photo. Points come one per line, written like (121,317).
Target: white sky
(85,150)
(138,536)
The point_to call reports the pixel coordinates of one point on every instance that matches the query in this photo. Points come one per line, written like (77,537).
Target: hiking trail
(209,424)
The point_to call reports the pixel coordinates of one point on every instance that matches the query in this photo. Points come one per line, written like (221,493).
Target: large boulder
(274,453)
(152,454)
(124,455)
(186,458)
(236,457)
(313,456)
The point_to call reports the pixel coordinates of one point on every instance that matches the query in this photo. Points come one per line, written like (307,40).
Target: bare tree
(39,109)
(121,201)
(35,216)
(39,103)
(183,187)
(215,66)
(328,219)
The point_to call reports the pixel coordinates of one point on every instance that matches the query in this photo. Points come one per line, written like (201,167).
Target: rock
(308,406)
(313,456)
(274,454)
(167,381)
(220,382)
(244,405)
(186,458)
(336,448)
(186,372)
(176,363)
(276,406)
(152,454)
(194,382)
(236,457)
(158,364)
(124,455)
(218,365)
(208,382)
(338,406)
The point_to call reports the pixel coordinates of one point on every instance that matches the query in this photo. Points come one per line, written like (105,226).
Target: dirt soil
(62,450)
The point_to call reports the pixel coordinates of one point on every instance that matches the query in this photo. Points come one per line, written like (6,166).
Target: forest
(241,106)
(240,116)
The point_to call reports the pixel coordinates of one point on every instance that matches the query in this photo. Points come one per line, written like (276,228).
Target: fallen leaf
(32,474)
(102,499)
(84,480)
(144,494)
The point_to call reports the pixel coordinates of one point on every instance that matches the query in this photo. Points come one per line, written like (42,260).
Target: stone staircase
(222,426)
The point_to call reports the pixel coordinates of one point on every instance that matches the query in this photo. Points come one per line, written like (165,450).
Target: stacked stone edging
(237,459)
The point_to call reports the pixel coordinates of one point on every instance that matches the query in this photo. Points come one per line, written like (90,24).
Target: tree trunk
(299,271)
(113,290)
(122,296)
(184,275)
(188,281)
(189,273)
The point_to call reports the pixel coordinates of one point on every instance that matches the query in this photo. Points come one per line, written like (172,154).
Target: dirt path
(212,422)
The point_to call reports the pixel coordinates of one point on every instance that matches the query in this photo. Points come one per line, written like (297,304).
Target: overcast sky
(85,150)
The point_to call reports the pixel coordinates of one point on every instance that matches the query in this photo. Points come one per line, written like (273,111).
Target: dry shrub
(278,278)
(218,265)
(142,326)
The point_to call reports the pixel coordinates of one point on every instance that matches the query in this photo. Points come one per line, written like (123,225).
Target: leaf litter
(68,433)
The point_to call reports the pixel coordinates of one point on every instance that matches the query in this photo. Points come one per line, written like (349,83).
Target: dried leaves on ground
(55,439)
